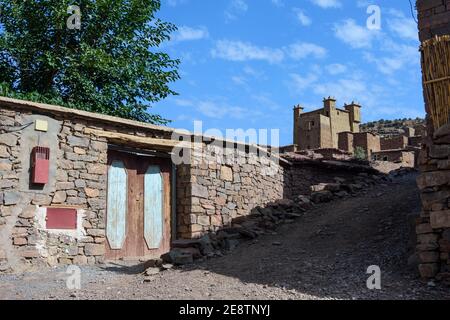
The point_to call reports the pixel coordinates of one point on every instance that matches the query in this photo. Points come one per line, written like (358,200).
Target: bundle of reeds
(436,78)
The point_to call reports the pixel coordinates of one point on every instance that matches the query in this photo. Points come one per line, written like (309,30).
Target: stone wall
(433,226)
(218,190)
(345,141)
(415,141)
(434,17)
(406,158)
(368,141)
(303,174)
(77,180)
(394,143)
(210,192)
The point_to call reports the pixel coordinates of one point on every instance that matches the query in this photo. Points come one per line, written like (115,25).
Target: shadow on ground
(326,252)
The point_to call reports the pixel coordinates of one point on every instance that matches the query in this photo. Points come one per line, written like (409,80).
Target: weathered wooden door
(138,206)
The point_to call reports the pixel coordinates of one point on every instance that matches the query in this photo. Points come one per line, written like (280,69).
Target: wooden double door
(138,210)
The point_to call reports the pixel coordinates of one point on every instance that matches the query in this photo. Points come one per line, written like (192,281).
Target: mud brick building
(368,141)
(395,142)
(433,226)
(79,187)
(407,158)
(332,128)
(319,129)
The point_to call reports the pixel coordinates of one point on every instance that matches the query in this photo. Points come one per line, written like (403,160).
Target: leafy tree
(110,65)
(359,153)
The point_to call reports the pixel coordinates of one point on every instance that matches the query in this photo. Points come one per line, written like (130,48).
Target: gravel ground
(323,255)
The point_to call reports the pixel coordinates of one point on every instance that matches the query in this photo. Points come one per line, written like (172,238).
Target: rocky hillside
(391,127)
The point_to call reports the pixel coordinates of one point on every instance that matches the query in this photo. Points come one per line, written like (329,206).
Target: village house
(79,187)
(320,128)
(334,128)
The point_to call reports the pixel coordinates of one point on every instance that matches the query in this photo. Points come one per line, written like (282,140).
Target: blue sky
(246,63)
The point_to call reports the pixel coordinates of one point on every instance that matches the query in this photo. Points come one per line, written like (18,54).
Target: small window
(312,123)
(385,158)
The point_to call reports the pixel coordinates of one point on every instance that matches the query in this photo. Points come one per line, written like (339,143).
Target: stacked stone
(80,182)
(433,226)
(222,189)
(432,229)
(434,16)
(16,209)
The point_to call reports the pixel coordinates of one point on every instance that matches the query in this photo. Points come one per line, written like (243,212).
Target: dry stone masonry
(433,226)
(217,190)
(224,194)
(210,193)
(77,180)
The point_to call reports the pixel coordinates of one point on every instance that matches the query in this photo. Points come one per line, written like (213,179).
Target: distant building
(331,128)
(395,142)
(369,142)
(397,156)
(320,128)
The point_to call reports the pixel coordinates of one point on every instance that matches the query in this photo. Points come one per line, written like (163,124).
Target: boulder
(178,257)
(321,196)
(339,180)
(333,187)
(342,194)
(318,187)
(231,244)
(285,203)
(206,246)
(304,202)
(151,271)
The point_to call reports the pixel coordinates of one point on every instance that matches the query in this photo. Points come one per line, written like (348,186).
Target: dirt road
(323,255)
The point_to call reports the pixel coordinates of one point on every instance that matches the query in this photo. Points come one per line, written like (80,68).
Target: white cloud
(336,68)
(182,102)
(236,8)
(174,3)
(363,3)
(402,26)
(264,100)
(218,108)
(327,3)
(398,56)
(239,80)
(185,33)
(377,100)
(391,54)
(278,3)
(299,83)
(244,51)
(258,74)
(346,89)
(302,17)
(354,35)
(303,50)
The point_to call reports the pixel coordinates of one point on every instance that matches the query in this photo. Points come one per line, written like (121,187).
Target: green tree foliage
(360,154)
(110,65)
